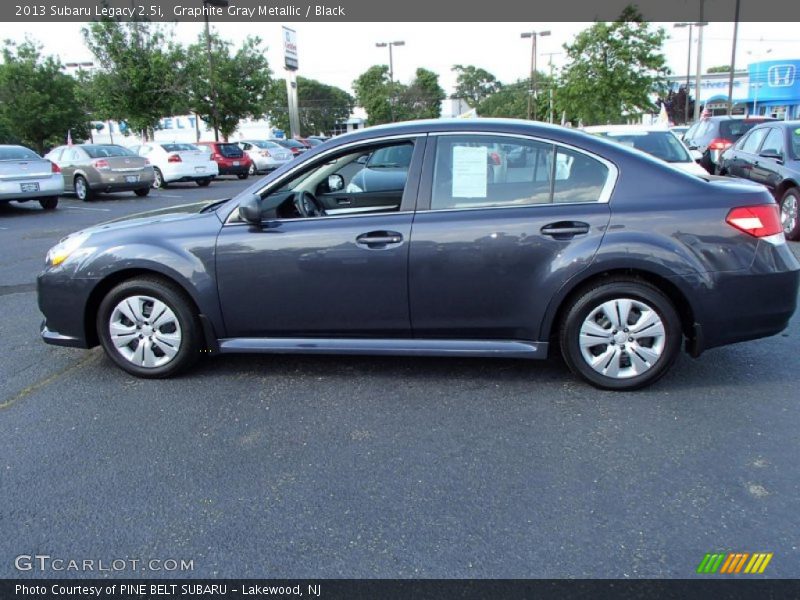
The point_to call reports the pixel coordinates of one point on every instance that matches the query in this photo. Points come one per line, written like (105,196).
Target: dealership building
(768,88)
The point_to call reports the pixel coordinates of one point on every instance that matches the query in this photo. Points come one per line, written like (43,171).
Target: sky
(337,53)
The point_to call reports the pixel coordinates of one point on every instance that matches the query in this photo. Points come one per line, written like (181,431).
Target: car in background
(295,147)
(769,154)
(655,140)
(230,158)
(24,176)
(319,138)
(265,155)
(90,169)
(174,162)
(679,130)
(712,135)
(385,170)
(620,263)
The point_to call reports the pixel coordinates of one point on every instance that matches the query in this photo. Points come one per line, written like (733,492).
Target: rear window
(180,147)
(17,153)
(661,144)
(292,144)
(736,128)
(230,150)
(106,151)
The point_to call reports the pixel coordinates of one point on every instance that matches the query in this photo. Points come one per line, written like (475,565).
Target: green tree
(421,99)
(474,84)
(142,71)
(321,106)
(510,102)
(373,92)
(241,81)
(613,69)
(38,103)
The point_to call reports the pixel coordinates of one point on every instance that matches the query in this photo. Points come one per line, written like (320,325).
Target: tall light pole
(733,58)
(214,115)
(532,85)
(688,71)
(757,85)
(391,71)
(700,24)
(550,56)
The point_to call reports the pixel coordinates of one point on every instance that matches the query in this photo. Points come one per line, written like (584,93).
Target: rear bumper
(189,172)
(747,305)
(118,182)
(231,170)
(48,186)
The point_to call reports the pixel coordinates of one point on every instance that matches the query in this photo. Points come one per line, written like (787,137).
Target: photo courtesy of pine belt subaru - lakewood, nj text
(485,238)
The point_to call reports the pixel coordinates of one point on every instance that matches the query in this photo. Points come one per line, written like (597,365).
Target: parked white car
(266,155)
(176,162)
(655,140)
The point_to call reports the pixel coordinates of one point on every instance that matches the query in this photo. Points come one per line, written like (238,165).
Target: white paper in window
(469,171)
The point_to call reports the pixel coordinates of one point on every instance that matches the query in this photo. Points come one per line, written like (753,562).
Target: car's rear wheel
(204,182)
(148,328)
(158,179)
(82,189)
(790,220)
(48,203)
(622,334)
(243,175)
(142,192)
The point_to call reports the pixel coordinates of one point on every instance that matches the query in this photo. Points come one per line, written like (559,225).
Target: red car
(230,158)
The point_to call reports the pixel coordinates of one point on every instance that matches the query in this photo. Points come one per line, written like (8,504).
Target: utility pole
(550,55)
(700,24)
(532,86)
(391,71)
(688,71)
(733,58)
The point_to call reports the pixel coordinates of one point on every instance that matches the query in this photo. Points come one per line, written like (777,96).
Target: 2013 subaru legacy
(611,256)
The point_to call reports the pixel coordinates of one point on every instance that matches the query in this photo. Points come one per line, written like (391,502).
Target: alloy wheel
(789,213)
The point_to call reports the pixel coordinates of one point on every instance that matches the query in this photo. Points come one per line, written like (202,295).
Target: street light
(532,85)
(697,24)
(214,116)
(391,70)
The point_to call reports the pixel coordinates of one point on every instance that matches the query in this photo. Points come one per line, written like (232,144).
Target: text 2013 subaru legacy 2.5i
(608,254)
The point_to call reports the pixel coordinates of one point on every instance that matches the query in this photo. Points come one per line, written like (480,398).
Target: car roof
(626,128)
(783,124)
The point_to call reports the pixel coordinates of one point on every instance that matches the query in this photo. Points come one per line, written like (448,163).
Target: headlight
(65,248)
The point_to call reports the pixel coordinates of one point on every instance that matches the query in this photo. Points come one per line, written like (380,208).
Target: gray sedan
(24,176)
(90,169)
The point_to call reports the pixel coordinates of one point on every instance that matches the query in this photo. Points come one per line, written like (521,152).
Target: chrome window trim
(325,218)
(291,172)
(605,193)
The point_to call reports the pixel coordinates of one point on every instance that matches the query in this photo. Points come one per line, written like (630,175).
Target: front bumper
(62,300)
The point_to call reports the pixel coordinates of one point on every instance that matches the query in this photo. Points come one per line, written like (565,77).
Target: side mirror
(335,182)
(696,155)
(250,209)
(362,160)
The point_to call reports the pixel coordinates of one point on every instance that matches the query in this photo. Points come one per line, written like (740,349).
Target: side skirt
(391,347)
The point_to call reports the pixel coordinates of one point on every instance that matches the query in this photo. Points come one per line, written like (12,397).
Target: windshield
(17,153)
(106,151)
(661,144)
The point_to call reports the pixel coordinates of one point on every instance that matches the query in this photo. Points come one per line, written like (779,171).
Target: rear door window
(773,143)
(753,141)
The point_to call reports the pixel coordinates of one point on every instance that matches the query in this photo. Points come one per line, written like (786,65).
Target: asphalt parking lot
(270,466)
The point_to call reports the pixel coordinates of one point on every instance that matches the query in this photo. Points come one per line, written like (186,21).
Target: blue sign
(773,80)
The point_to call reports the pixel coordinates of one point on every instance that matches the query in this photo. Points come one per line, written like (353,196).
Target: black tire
(49,203)
(158,179)
(585,303)
(204,182)
(790,203)
(243,175)
(176,300)
(82,189)
(142,192)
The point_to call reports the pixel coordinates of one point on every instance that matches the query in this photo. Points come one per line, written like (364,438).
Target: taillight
(174,158)
(54,168)
(265,153)
(495,158)
(215,156)
(719,144)
(760,221)
(100,163)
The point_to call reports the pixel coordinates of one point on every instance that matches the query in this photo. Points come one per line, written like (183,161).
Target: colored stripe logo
(734,562)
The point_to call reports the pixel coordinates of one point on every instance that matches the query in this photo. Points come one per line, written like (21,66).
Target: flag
(69,137)
(663,117)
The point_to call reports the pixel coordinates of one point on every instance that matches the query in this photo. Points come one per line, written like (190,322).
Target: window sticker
(469,171)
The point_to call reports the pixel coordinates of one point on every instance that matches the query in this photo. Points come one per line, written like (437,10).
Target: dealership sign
(290,48)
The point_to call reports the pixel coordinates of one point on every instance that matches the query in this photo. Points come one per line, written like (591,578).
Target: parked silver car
(24,176)
(89,169)
(266,155)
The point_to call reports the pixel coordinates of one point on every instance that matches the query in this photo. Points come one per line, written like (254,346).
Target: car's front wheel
(790,219)
(252,170)
(622,334)
(148,328)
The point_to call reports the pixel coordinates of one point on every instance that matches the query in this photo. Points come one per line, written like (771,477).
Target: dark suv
(770,154)
(712,135)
